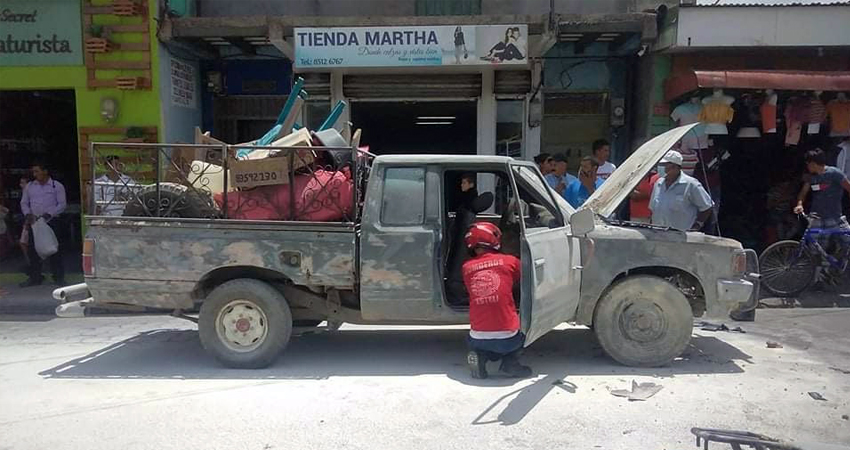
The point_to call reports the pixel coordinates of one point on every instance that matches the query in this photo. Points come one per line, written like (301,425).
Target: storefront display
(717,112)
(817,113)
(768,111)
(685,114)
(754,144)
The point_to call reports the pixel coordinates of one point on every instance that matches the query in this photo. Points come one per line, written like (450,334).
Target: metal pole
(355,182)
(92,201)
(224,154)
(158,176)
(292,184)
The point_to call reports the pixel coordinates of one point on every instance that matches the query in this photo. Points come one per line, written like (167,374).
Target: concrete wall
(763,26)
(593,71)
(178,122)
(222,8)
(218,8)
(561,6)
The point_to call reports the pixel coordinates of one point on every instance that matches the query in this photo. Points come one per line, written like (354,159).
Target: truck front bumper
(742,294)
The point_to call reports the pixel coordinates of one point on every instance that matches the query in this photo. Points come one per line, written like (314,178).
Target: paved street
(145,382)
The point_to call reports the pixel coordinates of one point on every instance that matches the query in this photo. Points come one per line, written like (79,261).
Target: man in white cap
(678,200)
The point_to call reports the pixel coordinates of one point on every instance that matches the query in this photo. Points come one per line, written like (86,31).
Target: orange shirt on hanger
(839,117)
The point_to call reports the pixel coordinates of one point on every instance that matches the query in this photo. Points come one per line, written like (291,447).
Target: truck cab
(411,239)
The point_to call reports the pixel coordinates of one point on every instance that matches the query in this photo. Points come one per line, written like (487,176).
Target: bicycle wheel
(786,269)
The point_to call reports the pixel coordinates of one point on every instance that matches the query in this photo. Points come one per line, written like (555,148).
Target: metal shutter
(512,82)
(317,85)
(412,86)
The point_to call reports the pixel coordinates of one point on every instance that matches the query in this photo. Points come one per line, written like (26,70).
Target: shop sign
(40,33)
(182,84)
(465,45)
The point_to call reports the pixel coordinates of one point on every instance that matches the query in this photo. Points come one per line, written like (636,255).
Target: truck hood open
(623,181)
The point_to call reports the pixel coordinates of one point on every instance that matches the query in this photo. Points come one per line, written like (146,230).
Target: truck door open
(398,276)
(551,272)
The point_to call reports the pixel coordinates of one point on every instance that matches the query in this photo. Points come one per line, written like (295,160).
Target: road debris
(771,344)
(845,417)
(708,326)
(817,396)
(639,392)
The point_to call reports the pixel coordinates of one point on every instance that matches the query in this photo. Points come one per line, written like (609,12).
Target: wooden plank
(133,46)
(102,83)
(103,130)
(138,28)
(122,65)
(89,9)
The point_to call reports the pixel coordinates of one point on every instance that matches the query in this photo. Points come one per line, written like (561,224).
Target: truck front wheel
(643,321)
(245,324)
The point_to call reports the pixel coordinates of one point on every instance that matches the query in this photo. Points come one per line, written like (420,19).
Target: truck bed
(159,262)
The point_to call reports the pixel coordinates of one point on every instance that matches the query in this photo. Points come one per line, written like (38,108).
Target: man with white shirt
(601,152)
(111,189)
(45,199)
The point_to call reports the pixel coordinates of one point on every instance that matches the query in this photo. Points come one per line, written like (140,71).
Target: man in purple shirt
(44,198)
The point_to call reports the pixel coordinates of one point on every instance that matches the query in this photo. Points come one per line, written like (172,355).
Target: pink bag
(322,196)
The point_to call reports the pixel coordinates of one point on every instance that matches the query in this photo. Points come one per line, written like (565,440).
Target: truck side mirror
(582,222)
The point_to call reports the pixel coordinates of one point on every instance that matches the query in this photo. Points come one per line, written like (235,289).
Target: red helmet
(484,234)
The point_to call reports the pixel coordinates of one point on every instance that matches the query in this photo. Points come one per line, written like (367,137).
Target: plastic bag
(45,240)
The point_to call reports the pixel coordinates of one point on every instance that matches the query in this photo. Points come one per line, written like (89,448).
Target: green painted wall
(136,108)
(661,70)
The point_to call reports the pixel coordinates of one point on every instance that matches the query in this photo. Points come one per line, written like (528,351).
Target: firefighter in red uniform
(494,331)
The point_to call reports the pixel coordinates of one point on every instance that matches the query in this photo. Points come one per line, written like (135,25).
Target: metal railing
(207,181)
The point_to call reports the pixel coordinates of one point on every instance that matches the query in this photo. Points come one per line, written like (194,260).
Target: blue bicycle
(789,267)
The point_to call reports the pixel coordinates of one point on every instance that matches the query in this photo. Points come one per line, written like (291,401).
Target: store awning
(756,79)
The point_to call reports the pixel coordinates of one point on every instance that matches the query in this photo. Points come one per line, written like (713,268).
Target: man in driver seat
(494,331)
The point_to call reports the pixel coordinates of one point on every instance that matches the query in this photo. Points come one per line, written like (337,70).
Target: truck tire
(643,321)
(245,324)
(175,200)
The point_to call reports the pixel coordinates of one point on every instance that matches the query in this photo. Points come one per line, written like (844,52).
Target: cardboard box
(249,173)
(259,172)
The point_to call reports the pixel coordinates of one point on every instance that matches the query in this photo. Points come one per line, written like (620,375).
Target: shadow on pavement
(26,317)
(168,353)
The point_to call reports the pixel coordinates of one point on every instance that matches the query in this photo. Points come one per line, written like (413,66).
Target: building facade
(73,72)
(571,80)
(780,70)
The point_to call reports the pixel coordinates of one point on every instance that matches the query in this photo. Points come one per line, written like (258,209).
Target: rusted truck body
(638,286)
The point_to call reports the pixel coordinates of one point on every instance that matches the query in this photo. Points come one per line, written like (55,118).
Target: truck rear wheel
(245,324)
(643,321)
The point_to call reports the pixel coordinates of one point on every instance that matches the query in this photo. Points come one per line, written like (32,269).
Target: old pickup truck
(637,286)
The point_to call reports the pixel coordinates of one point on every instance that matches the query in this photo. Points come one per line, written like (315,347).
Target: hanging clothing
(689,159)
(839,117)
(796,113)
(768,116)
(716,115)
(688,113)
(817,115)
(817,111)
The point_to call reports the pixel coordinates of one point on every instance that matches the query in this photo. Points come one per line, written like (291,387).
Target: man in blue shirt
(827,184)
(580,189)
(678,200)
(559,179)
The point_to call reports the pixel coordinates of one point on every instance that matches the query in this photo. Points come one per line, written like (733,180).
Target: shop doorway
(38,126)
(417,127)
